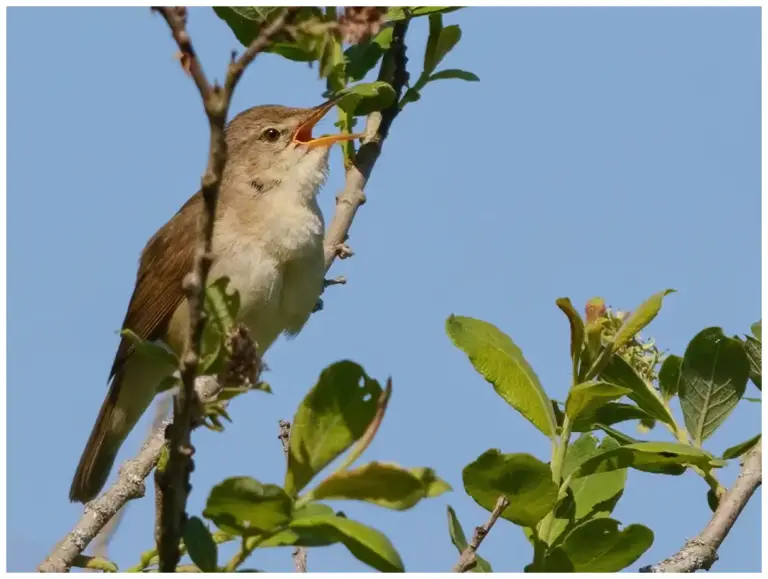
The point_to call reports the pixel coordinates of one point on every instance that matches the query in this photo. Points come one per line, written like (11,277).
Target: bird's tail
(121,410)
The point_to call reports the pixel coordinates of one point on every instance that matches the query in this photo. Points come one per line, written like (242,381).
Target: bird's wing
(165,261)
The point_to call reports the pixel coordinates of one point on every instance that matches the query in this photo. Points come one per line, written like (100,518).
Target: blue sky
(611,152)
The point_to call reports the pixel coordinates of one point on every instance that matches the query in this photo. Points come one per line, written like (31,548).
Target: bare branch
(393,70)
(299,553)
(172,483)
(467,558)
(701,552)
(128,486)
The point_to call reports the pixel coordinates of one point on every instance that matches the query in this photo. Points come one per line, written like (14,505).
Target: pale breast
(277,268)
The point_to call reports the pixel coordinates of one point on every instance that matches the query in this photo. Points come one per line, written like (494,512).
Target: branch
(467,558)
(393,70)
(128,486)
(701,552)
(172,483)
(299,553)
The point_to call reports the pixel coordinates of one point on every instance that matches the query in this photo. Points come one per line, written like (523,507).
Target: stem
(558,460)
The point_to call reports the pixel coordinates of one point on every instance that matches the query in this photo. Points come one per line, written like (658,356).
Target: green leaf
(386,485)
(500,361)
(713,378)
(617,435)
(200,545)
(741,448)
(456,73)
(302,537)
(365,98)
(449,37)
(639,319)
(244,506)
(221,305)
(522,478)
(247,21)
(157,351)
(335,414)
(577,331)
(587,397)
(657,457)
(753,348)
(366,544)
(620,373)
(592,496)
(757,330)
(669,377)
(598,546)
(399,12)
(361,58)
(757,400)
(608,414)
(435,29)
(459,541)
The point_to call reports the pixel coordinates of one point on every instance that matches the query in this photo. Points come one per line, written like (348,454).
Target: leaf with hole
(200,545)
(599,546)
(332,417)
(459,540)
(639,319)
(366,544)
(741,448)
(522,478)
(587,397)
(385,485)
(713,378)
(243,506)
(496,357)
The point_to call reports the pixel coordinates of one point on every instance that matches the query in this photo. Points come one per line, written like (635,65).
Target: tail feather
(100,451)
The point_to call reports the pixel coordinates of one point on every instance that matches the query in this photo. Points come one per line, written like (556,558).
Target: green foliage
(365,98)
(713,378)
(386,485)
(523,479)
(335,414)
(598,546)
(742,448)
(200,545)
(243,506)
(565,508)
(459,540)
(157,351)
(501,363)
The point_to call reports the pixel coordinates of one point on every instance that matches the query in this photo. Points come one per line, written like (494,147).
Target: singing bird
(268,239)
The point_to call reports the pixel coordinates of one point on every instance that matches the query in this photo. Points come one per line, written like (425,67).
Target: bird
(267,239)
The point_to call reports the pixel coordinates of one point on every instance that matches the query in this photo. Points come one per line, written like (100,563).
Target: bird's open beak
(303,135)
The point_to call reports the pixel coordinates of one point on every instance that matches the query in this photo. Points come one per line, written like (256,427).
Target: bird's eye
(271,135)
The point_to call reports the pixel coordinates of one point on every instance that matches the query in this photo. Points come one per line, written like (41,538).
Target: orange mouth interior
(303,135)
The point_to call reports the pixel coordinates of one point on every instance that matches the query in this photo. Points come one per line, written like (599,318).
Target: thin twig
(701,552)
(467,558)
(128,486)
(173,481)
(299,553)
(393,70)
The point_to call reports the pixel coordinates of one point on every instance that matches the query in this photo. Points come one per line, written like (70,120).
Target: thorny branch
(701,552)
(172,482)
(467,558)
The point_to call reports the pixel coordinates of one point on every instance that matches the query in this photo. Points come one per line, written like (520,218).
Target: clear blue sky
(611,152)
